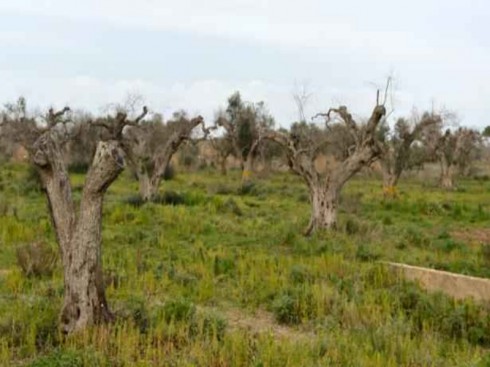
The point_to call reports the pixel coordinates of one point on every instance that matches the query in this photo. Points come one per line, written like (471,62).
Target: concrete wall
(455,285)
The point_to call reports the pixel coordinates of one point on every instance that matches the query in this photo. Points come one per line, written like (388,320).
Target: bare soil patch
(263,322)
(472,236)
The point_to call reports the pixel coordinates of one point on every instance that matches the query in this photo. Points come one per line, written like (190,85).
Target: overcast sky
(193,54)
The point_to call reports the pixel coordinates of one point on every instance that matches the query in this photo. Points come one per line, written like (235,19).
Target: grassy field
(219,276)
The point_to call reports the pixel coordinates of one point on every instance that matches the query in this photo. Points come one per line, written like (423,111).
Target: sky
(192,55)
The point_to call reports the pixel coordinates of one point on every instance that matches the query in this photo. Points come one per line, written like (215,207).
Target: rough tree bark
(85,302)
(325,200)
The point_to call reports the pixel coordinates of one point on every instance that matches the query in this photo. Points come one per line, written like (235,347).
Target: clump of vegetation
(169,173)
(36,259)
(170,198)
(67,358)
(178,310)
(209,324)
(229,206)
(135,310)
(221,189)
(453,319)
(292,306)
(134,200)
(32,181)
(249,188)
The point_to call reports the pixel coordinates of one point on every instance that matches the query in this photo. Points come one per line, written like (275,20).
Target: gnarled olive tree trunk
(79,237)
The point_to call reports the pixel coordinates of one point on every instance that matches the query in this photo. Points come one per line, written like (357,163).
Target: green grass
(177,273)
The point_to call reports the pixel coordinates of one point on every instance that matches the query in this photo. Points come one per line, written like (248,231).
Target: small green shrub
(60,358)
(134,200)
(365,253)
(352,226)
(169,198)
(293,305)
(285,309)
(178,310)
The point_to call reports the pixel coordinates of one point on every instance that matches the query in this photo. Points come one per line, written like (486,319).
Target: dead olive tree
(353,146)
(244,123)
(398,145)
(150,146)
(78,232)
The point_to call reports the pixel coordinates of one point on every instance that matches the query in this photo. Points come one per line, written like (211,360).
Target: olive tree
(151,144)
(244,124)
(454,151)
(352,144)
(398,146)
(78,230)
